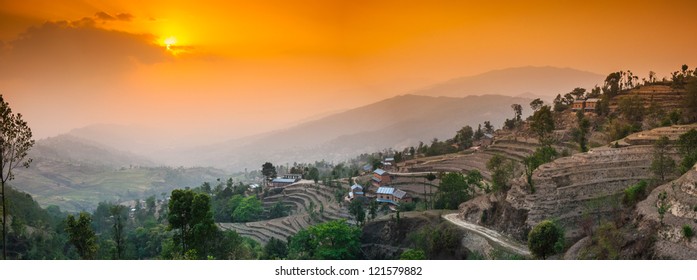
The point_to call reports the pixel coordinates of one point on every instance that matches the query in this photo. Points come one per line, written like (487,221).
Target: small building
(392,195)
(253,186)
(292,176)
(367,168)
(356,191)
(380,178)
(282,182)
(587,105)
(591,103)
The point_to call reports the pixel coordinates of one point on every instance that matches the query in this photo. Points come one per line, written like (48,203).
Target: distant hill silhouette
(529,81)
(396,122)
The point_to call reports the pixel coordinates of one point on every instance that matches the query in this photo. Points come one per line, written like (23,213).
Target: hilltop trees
(15,142)
(536,104)
(268,170)
(502,170)
(335,240)
(454,189)
(543,124)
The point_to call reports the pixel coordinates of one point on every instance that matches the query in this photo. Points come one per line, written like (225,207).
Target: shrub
(688,232)
(634,193)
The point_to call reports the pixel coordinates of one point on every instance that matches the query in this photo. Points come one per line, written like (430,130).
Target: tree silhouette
(15,142)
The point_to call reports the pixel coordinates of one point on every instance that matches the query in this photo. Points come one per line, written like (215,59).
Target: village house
(388,163)
(380,178)
(587,105)
(392,195)
(356,191)
(282,182)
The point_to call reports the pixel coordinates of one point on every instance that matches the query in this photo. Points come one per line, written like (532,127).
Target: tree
(543,124)
(268,170)
(687,145)
(15,142)
(373,209)
(357,211)
(691,99)
(478,134)
(463,137)
(275,249)
(546,239)
(518,111)
(119,214)
(314,174)
(632,108)
(191,215)
(502,170)
(488,128)
(541,156)
(612,85)
(82,235)
(249,209)
(536,104)
(580,133)
(334,240)
(578,93)
(662,164)
(452,191)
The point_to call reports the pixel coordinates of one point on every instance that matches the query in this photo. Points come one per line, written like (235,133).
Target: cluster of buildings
(380,180)
(587,104)
(285,180)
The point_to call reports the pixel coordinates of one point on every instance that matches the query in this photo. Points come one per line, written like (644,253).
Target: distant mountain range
(532,82)
(397,122)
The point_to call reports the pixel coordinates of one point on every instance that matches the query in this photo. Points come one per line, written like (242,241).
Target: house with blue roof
(356,191)
(392,195)
(380,178)
(282,182)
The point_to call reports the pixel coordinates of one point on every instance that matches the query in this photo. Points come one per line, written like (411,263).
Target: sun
(170,41)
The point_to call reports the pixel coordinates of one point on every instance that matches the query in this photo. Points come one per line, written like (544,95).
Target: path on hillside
(489,234)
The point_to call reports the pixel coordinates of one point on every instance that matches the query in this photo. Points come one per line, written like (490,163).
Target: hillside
(532,82)
(76,174)
(397,122)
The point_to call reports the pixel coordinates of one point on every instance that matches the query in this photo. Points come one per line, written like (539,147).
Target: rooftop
(379,171)
(385,190)
(282,180)
(356,187)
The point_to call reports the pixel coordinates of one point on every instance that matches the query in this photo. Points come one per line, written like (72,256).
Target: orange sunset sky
(235,68)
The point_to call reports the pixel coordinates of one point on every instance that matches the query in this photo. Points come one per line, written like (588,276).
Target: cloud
(107,17)
(77,50)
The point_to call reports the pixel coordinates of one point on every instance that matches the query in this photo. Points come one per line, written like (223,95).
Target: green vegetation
(687,145)
(502,171)
(335,240)
(456,188)
(546,239)
(275,249)
(357,210)
(438,240)
(15,142)
(82,235)
(541,156)
(687,232)
(606,243)
(663,205)
(580,133)
(662,164)
(635,193)
(542,123)
(413,254)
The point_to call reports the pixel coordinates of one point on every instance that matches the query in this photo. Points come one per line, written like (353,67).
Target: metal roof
(399,193)
(356,186)
(385,190)
(386,201)
(282,180)
(376,179)
(389,159)
(379,171)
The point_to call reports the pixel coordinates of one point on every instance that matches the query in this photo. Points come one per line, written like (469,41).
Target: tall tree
(82,235)
(15,142)
(518,111)
(119,214)
(536,104)
(502,170)
(191,215)
(662,165)
(687,145)
(268,170)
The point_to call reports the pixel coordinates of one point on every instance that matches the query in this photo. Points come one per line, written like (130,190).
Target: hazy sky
(234,68)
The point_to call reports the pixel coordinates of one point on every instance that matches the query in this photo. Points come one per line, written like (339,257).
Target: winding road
(490,234)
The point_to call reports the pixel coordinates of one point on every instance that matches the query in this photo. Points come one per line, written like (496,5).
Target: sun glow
(170,41)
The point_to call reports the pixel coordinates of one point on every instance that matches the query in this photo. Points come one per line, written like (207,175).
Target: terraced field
(297,197)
